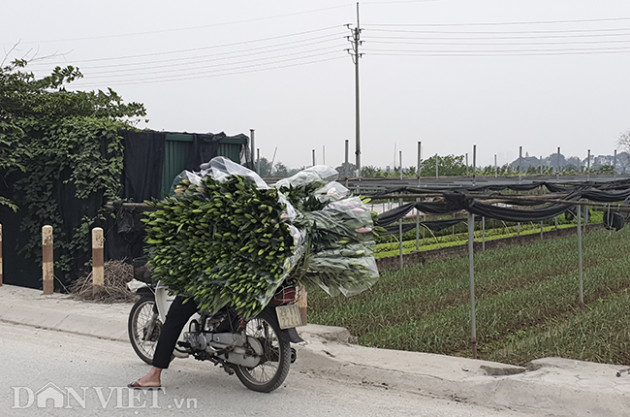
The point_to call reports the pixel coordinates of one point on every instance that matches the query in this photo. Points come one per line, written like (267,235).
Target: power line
(515,32)
(169,63)
(603,42)
(187,67)
(209,74)
(398,1)
(498,50)
(153,32)
(532,22)
(180,51)
(481,53)
(597,35)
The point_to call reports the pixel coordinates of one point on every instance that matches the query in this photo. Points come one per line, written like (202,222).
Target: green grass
(527,303)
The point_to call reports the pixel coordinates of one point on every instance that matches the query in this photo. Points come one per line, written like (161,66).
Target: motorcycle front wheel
(144,327)
(273,368)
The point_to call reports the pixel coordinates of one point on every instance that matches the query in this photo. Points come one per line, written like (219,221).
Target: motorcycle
(257,349)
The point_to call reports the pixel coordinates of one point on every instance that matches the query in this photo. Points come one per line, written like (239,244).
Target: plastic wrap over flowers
(341,234)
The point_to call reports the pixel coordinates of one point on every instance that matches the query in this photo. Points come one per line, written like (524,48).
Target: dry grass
(117,275)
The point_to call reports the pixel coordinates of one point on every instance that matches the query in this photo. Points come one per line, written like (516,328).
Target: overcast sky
(498,74)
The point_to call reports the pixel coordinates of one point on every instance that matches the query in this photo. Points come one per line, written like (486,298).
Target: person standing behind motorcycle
(178,315)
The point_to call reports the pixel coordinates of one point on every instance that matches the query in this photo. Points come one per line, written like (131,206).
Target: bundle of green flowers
(224,237)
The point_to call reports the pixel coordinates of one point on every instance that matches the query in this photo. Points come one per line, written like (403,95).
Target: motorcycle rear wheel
(144,327)
(273,369)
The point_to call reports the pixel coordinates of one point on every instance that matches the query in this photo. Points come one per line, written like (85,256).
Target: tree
(624,141)
(346,170)
(55,143)
(263,167)
(449,165)
(280,170)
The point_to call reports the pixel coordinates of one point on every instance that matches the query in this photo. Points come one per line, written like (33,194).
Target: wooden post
(98,259)
(0,255)
(48,274)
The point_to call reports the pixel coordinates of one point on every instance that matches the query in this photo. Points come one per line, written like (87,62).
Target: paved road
(88,376)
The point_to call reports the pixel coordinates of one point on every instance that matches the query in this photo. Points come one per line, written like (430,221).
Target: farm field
(527,303)
(389,245)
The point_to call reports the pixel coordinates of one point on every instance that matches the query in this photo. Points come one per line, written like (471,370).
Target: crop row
(426,307)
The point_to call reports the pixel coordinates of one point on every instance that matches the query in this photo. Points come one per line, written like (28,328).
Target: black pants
(176,319)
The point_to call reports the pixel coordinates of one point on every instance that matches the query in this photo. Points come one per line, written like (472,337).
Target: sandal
(137,385)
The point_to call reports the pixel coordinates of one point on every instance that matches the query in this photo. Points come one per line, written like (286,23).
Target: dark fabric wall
(205,147)
(143,165)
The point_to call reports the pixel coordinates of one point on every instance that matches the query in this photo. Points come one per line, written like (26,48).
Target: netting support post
(400,237)
(483,233)
(471,268)
(581,272)
(417,227)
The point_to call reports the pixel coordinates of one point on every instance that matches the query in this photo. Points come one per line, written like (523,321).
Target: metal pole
(357,43)
(251,136)
(346,160)
(520,158)
(496,169)
(436,167)
(474,165)
(313,157)
(558,161)
(483,233)
(615,165)
(579,234)
(471,269)
(467,164)
(400,236)
(419,166)
(47,260)
(417,228)
(400,163)
(257,160)
(587,213)
(588,166)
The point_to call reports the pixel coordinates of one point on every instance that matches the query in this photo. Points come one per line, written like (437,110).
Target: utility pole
(253,148)
(355,42)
